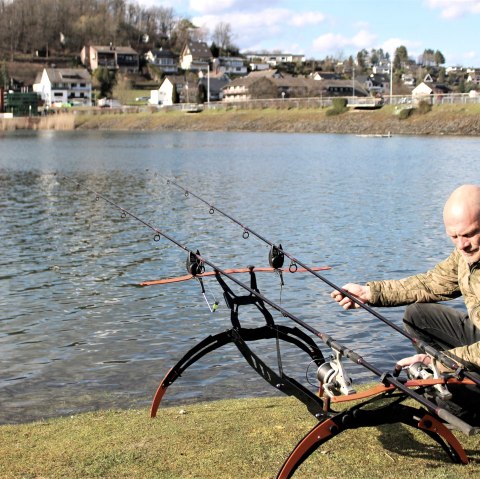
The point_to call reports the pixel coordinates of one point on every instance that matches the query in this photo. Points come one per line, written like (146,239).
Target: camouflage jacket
(449,279)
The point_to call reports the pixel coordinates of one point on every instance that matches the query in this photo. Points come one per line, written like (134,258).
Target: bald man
(451,330)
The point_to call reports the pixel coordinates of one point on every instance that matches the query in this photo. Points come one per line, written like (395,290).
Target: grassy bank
(461,120)
(225,439)
(442,120)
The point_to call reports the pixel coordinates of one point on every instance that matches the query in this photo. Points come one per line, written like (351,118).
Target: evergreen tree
(4,76)
(439,58)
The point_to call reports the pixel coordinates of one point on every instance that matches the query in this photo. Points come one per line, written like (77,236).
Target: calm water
(78,333)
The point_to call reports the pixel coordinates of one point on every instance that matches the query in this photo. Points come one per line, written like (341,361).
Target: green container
(22,104)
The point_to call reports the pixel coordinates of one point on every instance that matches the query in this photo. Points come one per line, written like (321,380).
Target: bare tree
(222,36)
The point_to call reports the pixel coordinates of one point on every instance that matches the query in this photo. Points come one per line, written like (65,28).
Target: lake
(77,332)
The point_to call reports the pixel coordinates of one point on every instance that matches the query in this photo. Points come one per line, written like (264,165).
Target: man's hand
(420,358)
(417,358)
(362,293)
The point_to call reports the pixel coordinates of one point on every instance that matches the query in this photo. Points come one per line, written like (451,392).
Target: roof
(216,84)
(68,75)
(161,53)
(198,50)
(174,79)
(109,48)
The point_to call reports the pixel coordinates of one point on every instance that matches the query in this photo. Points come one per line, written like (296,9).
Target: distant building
(344,88)
(163,59)
(214,85)
(170,91)
(271,84)
(195,56)
(319,76)
(377,83)
(274,59)
(59,86)
(123,59)
(229,66)
(422,92)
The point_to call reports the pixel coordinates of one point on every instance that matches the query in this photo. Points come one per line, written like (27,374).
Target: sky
(341,28)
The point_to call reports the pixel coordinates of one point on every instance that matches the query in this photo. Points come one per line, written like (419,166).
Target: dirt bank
(455,120)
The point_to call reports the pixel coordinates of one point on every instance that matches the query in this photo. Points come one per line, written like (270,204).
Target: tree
(263,88)
(222,37)
(439,58)
(181,34)
(4,76)
(400,57)
(121,90)
(442,75)
(427,58)
(175,95)
(106,80)
(201,93)
(362,59)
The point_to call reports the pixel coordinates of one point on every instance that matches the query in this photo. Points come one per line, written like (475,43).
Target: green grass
(225,439)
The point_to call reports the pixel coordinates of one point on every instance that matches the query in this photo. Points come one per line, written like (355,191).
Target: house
(381,69)
(215,85)
(229,65)
(319,76)
(421,92)
(254,66)
(195,56)
(473,77)
(408,79)
(377,83)
(174,89)
(123,59)
(274,59)
(59,86)
(344,88)
(166,93)
(271,84)
(163,59)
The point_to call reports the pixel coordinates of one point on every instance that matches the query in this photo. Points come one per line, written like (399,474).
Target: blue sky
(341,28)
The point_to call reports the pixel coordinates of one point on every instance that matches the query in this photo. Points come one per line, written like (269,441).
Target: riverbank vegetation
(228,439)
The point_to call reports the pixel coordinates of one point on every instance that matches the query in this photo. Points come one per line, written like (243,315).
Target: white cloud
(413,47)
(332,42)
(214,7)
(307,18)
(254,28)
(451,9)
(364,39)
(207,7)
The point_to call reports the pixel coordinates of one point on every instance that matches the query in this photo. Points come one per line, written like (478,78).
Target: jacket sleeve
(468,355)
(438,284)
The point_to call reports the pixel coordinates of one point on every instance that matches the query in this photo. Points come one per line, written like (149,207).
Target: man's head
(461,216)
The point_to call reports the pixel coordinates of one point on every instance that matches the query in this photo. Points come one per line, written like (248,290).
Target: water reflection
(76,331)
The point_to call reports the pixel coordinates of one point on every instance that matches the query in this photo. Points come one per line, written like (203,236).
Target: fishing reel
(334,379)
(420,370)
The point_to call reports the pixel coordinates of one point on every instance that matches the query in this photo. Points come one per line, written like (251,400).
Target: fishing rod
(277,252)
(195,265)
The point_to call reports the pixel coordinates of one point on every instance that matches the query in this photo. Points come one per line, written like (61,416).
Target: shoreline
(451,120)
